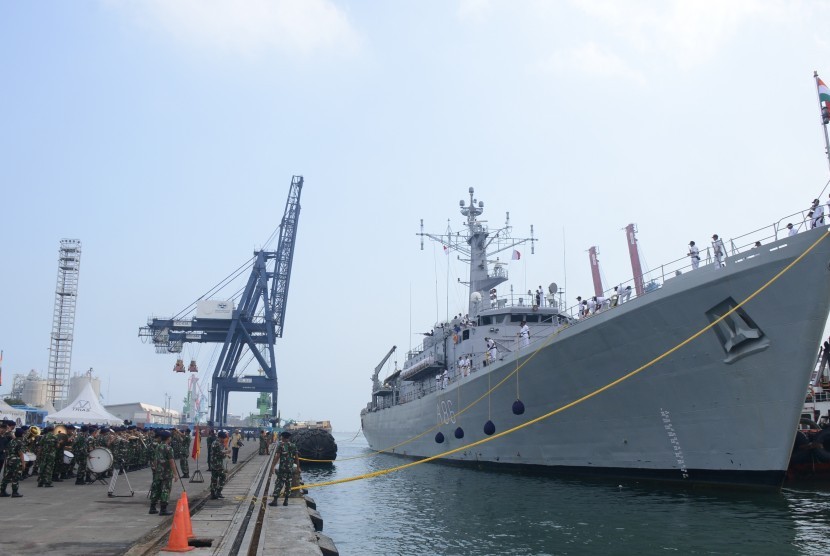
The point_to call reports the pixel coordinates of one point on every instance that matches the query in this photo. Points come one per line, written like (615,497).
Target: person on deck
(694,255)
(720,251)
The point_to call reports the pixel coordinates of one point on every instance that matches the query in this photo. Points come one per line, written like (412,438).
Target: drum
(67,457)
(100,459)
(29,456)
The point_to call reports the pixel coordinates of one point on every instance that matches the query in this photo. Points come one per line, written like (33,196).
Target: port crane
(249,327)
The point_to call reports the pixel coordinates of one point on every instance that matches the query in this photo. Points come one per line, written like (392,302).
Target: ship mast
(474,245)
(592,254)
(634,254)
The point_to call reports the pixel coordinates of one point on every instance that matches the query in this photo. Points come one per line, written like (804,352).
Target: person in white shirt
(792,231)
(625,294)
(817,213)
(602,303)
(438,381)
(720,251)
(492,350)
(524,334)
(694,255)
(591,305)
(445,377)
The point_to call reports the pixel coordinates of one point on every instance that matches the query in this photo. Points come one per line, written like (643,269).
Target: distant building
(145,413)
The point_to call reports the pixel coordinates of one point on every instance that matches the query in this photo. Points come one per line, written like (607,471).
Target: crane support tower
(63,321)
(251,327)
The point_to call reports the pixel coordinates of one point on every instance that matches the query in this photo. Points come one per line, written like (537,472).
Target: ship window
(486,320)
(465,335)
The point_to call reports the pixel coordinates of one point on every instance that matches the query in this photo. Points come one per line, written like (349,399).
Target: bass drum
(29,456)
(68,457)
(100,459)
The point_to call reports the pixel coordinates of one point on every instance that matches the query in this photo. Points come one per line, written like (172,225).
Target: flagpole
(825,119)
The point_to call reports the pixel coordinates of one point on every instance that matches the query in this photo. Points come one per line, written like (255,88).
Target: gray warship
(686,381)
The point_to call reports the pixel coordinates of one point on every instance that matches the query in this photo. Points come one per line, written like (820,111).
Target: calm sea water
(439,509)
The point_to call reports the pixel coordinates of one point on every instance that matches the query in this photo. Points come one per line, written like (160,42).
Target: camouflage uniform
(120,449)
(60,466)
(80,448)
(46,459)
(263,443)
(162,477)
(216,464)
(287,453)
(185,454)
(13,468)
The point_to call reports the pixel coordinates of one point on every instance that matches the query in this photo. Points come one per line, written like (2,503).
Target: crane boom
(375,381)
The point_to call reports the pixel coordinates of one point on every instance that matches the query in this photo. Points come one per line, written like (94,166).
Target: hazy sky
(164,133)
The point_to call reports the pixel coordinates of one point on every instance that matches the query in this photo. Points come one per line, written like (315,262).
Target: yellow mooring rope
(566,406)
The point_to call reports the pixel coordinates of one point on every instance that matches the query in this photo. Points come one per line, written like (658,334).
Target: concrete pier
(83,520)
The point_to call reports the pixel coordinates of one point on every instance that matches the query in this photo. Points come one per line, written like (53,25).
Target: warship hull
(722,408)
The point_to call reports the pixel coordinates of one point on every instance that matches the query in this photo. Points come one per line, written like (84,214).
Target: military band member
(81,451)
(46,459)
(14,465)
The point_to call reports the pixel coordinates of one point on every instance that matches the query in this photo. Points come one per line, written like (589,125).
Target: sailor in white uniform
(817,213)
(524,334)
(792,231)
(694,255)
(720,251)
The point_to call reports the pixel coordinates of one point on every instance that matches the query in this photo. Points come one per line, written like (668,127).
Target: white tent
(84,409)
(8,412)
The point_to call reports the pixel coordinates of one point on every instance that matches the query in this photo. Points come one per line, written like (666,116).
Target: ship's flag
(824,99)
(516,255)
(197,445)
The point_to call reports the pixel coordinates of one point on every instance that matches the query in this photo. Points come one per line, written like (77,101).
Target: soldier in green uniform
(185,454)
(287,456)
(120,448)
(46,459)
(218,452)
(164,469)
(63,444)
(79,449)
(14,465)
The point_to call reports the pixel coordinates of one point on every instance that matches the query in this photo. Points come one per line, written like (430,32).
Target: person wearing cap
(791,231)
(164,469)
(720,251)
(287,457)
(14,465)
(694,255)
(216,464)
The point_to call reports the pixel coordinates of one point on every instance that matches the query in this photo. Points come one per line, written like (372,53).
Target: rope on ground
(584,398)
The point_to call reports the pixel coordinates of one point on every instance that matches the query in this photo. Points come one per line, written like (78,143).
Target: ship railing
(737,247)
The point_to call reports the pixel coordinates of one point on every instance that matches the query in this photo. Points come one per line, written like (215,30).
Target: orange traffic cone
(178,533)
(186,510)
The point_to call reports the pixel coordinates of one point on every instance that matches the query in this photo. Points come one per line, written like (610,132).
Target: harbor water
(440,509)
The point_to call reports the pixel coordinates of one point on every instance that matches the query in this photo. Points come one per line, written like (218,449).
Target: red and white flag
(516,255)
